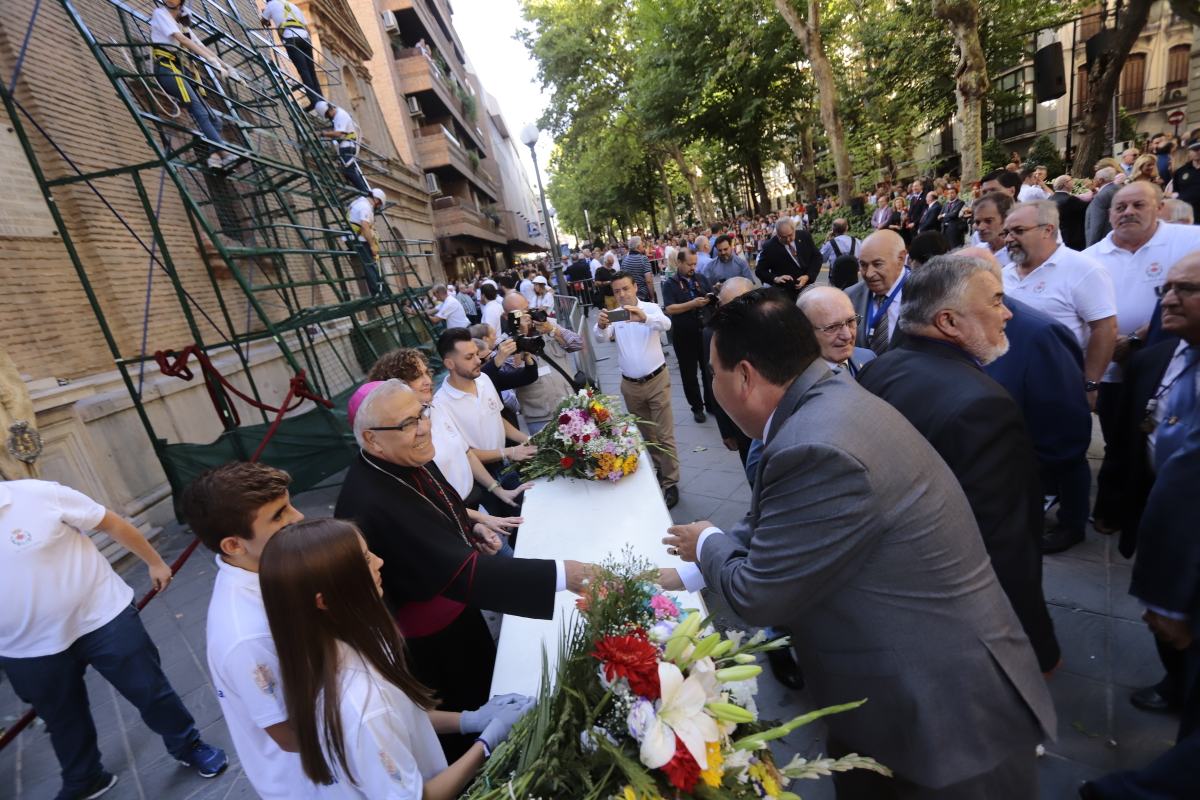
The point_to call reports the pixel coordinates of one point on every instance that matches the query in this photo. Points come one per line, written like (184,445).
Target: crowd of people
(904,425)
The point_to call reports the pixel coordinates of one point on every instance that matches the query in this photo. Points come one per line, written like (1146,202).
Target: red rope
(175,365)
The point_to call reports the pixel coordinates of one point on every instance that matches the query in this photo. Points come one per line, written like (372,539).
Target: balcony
(438,149)
(420,75)
(453,216)
(432,26)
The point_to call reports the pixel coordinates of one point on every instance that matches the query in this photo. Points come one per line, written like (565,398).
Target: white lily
(680,712)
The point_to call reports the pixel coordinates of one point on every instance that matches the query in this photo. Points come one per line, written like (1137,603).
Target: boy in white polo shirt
(64,609)
(235,509)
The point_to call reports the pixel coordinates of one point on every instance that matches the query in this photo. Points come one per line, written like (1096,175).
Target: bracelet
(493,486)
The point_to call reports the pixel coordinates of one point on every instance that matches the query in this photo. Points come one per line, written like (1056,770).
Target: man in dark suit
(1071,213)
(1166,573)
(855,518)
(933,208)
(954,227)
(877,298)
(917,206)
(1095,221)
(789,259)
(954,318)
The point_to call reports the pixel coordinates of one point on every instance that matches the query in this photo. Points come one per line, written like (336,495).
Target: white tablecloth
(585,521)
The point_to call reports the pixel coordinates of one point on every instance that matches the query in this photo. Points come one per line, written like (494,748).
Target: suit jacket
(977,428)
(1043,371)
(1095,220)
(861,296)
(953,226)
(860,540)
(929,221)
(1133,475)
(775,260)
(1071,214)
(916,214)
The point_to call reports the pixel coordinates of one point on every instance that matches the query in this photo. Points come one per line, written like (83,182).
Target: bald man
(835,324)
(877,297)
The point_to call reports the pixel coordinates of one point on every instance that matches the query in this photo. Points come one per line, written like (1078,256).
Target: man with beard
(954,317)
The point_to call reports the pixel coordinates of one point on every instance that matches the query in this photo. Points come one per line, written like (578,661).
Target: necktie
(791,248)
(879,338)
(1180,411)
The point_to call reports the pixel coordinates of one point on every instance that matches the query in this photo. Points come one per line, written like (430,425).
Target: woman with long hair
(365,726)
(1145,169)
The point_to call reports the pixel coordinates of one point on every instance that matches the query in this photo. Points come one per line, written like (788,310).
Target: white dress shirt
(1069,287)
(639,348)
(452,312)
(492,312)
(1136,275)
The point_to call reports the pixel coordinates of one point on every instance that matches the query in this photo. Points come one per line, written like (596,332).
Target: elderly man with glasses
(835,323)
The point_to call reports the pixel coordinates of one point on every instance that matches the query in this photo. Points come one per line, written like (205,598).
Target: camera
(712,298)
(510,324)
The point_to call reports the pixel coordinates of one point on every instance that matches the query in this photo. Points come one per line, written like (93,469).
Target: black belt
(645,378)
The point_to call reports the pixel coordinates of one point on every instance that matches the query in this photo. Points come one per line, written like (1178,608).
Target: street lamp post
(529,137)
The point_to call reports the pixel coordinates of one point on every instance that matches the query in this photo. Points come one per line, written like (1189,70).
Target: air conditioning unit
(433,184)
(1177,95)
(414,106)
(389,22)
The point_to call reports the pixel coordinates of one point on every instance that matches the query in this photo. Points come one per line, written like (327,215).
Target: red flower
(633,658)
(587,437)
(682,770)
(566,462)
(564,419)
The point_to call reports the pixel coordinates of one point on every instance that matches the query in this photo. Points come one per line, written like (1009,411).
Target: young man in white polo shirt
(1068,286)
(235,509)
(64,609)
(645,383)
(449,310)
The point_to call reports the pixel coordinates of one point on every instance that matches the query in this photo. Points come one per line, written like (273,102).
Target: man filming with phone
(537,335)
(635,326)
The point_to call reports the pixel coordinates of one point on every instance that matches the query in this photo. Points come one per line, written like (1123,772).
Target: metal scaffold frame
(274,222)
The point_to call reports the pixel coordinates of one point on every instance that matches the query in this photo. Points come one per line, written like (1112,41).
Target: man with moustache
(954,317)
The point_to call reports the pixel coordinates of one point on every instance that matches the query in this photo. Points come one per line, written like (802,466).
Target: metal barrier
(569,313)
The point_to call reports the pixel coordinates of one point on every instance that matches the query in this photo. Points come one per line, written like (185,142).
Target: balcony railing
(454,216)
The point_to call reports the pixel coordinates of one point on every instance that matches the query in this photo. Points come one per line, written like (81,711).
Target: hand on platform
(522,452)
(501,525)
(578,574)
(160,575)
(681,539)
(476,721)
(510,495)
(1175,632)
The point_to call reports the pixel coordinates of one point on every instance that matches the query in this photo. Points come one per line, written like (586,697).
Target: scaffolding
(274,222)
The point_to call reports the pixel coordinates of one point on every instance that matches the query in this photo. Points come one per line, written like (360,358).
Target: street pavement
(1107,653)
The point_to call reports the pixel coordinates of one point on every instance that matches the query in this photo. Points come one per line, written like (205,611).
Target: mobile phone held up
(618,315)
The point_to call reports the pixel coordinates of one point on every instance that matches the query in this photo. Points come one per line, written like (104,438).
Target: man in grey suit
(860,541)
(877,297)
(1095,220)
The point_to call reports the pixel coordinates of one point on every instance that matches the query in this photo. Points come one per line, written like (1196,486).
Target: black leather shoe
(1087,791)
(671,496)
(1148,699)
(699,416)
(1058,539)
(785,669)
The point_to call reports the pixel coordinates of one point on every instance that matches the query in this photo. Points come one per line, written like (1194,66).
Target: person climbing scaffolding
(361,213)
(345,133)
(170,35)
(293,31)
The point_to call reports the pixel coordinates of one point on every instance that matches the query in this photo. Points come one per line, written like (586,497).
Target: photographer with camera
(537,335)
(686,295)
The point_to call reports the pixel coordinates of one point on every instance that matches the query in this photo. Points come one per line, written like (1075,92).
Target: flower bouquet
(588,438)
(649,702)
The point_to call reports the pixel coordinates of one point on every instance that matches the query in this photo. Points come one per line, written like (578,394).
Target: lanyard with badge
(876,313)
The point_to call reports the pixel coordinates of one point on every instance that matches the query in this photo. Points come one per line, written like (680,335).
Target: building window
(1014,105)
(1177,66)
(1081,89)
(1133,82)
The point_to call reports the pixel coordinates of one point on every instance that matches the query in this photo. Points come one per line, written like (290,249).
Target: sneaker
(104,781)
(229,159)
(207,760)
(214,161)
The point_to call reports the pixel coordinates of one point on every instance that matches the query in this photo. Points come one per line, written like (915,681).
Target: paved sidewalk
(1107,652)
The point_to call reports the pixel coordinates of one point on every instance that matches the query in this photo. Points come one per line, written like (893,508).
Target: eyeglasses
(851,324)
(410,423)
(1182,290)
(1021,231)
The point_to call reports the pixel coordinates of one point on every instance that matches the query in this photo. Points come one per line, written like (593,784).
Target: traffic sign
(1176,117)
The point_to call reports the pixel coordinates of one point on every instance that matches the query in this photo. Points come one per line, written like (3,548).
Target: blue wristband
(487,750)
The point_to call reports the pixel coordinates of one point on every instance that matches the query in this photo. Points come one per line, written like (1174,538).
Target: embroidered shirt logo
(264,679)
(1154,269)
(21,538)
(1039,287)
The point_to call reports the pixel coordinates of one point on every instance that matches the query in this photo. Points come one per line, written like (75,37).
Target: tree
(808,33)
(1104,75)
(971,80)
(1043,153)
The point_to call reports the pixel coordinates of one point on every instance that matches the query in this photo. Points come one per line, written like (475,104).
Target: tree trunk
(808,175)
(1104,77)
(971,81)
(809,34)
(668,196)
(762,199)
(702,208)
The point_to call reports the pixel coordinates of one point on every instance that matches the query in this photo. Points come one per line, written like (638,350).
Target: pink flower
(663,607)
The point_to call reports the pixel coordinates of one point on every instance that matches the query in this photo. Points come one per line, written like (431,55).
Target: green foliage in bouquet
(649,702)
(588,438)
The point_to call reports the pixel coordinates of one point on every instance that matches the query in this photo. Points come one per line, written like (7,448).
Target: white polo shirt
(525,287)
(544,301)
(163,27)
(245,672)
(1069,286)
(1136,275)
(639,348)
(450,452)
(492,311)
(453,312)
(477,416)
(344,123)
(391,747)
(55,586)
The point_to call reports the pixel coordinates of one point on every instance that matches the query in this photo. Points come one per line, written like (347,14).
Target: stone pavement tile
(717,485)
(1121,603)
(1084,708)
(1135,658)
(1085,640)
(1095,547)
(1059,778)
(1074,583)
(1141,736)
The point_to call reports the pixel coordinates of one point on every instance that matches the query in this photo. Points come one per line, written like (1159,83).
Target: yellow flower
(628,793)
(712,774)
(766,777)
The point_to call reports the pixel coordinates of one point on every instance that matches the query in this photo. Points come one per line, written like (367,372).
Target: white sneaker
(214,161)
(229,159)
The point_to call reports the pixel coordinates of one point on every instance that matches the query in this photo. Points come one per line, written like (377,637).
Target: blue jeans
(123,653)
(201,113)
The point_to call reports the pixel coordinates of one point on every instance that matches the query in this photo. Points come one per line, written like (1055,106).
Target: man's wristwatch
(1134,341)
(1090,386)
